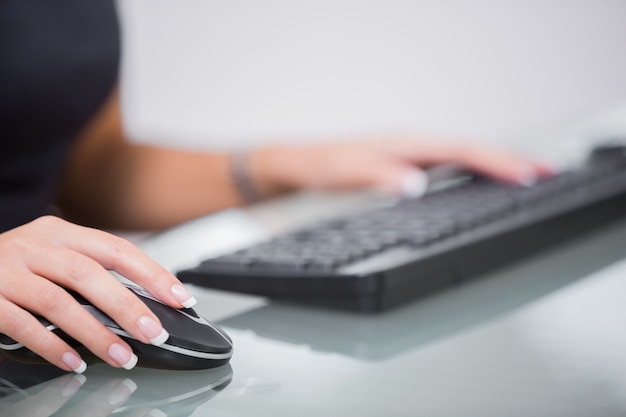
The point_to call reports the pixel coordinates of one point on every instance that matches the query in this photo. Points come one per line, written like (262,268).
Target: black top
(58,63)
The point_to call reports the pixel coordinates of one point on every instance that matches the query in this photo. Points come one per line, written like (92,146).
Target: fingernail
(414,184)
(74,362)
(72,386)
(528,177)
(184,296)
(123,356)
(121,392)
(152,330)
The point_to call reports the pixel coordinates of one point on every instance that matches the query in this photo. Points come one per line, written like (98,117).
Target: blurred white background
(216,74)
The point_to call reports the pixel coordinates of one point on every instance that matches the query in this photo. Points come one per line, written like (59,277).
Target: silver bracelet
(240,174)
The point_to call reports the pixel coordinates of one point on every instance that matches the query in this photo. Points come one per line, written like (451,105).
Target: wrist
(270,169)
(259,173)
(243,180)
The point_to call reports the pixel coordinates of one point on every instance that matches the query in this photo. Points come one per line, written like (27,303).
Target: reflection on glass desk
(43,391)
(383,336)
(543,336)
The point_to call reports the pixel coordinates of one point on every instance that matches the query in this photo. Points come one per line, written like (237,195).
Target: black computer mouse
(193,343)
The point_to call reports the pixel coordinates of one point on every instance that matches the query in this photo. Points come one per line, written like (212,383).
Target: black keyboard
(389,255)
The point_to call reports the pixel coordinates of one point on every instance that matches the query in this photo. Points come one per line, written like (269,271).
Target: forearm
(113,183)
(144,187)
(122,185)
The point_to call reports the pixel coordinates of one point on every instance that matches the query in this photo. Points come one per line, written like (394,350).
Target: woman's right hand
(41,260)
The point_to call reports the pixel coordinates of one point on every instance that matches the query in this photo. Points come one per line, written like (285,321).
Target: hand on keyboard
(382,257)
(391,163)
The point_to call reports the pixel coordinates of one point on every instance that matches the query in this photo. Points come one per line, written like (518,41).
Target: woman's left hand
(391,163)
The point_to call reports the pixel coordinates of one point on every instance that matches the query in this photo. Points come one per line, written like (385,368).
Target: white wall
(215,73)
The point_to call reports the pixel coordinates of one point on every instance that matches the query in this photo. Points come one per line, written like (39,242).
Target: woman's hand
(390,163)
(41,259)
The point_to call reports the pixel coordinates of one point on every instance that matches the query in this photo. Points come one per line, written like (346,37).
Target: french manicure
(74,362)
(152,330)
(184,296)
(123,356)
(527,178)
(414,184)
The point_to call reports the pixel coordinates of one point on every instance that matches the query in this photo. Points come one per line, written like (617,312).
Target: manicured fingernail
(152,330)
(414,184)
(184,296)
(123,356)
(527,177)
(72,386)
(74,362)
(121,392)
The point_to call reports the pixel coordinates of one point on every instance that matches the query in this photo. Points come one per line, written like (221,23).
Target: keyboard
(389,255)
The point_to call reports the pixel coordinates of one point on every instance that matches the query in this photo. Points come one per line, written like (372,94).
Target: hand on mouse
(392,163)
(40,259)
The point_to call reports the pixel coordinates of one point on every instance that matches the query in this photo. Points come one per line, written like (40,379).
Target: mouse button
(169,316)
(186,328)
(200,336)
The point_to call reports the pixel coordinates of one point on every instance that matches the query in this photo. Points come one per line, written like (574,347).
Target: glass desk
(544,336)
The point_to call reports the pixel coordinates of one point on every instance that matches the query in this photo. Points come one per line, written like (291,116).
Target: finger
(120,255)
(502,165)
(485,159)
(21,325)
(54,303)
(75,271)
(544,168)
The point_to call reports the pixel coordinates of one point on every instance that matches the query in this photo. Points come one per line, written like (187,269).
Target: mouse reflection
(44,391)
